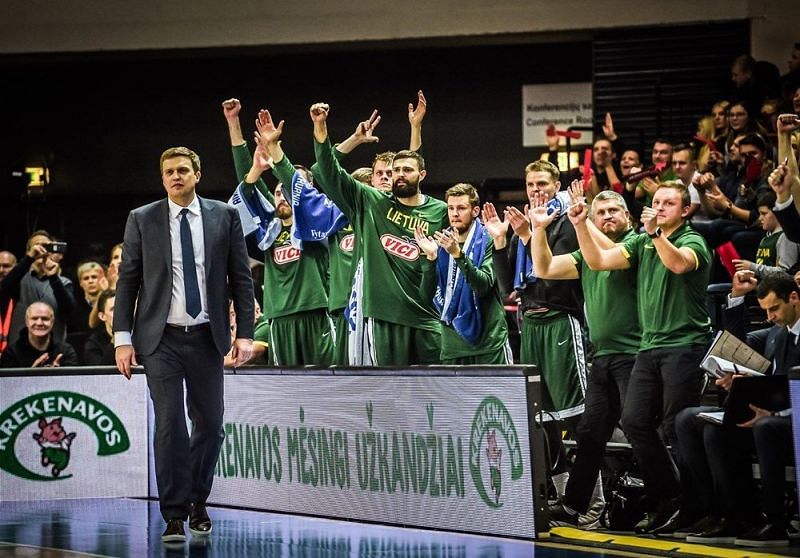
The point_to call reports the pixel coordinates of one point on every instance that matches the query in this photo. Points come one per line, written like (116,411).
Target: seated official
(99,348)
(715,461)
(36,347)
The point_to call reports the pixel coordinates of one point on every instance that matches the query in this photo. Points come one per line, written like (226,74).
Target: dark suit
(716,471)
(184,466)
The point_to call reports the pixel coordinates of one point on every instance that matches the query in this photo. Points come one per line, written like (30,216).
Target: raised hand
(577,192)
(719,201)
(262,161)
(493,224)
(319,112)
(447,240)
(538,212)
(788,123)
(608,127)
(231,108)
(518,221)
(365,131)
(578,212)
(417,115)
(743,282)
(780,180)
(650,185)
(426,244)
(648,220)
(267,131)
(41,361)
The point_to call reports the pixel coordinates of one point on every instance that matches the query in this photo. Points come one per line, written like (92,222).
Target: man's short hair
(89,266)
(664,140)
(40,232)
(31,305)
(543,166)
(464,189)
(306,173)
(686,198)
(180,151)
(778,282)
(103,298)
(608,195)
(745,62)
(408,154)
(767,199)
(755,140)
(386,157)
(685,147)
(363,174)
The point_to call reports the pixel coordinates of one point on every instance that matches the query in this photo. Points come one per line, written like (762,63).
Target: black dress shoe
(767,535)
(668,511)
(174,532)
(199,522)
(724,532)
(559,517)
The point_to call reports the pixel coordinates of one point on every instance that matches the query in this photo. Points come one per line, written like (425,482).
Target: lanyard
(5,327)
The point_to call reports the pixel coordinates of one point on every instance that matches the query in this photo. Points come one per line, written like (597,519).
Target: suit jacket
(770,341)
(145,275)
(790,222)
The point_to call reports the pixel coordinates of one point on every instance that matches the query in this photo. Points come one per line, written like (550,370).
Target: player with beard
(295,281)
(402,325)
(459,261)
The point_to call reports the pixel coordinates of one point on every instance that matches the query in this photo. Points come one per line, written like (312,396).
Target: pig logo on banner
(55,444)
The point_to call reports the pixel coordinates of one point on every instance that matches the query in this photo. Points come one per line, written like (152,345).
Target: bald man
(36,346)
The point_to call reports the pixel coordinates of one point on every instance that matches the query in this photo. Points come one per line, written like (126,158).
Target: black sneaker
(720,532)
(174,532)
(559,517)
(698,526)
(199,522)
(767,535)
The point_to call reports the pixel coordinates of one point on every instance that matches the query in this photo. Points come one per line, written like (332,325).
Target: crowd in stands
(609,265)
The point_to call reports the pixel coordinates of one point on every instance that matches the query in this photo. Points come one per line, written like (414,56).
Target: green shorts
(502,356)
(306,338)
(340,351)
(553,341)
(397,345)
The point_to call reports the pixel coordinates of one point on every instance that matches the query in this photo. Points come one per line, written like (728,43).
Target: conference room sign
(563,105)
(431,451)
(73,437)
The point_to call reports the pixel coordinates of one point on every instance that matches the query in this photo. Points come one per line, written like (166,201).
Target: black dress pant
(606,387)
(185,464)
(663,383)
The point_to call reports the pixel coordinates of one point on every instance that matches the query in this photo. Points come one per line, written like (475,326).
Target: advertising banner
(560,104)
(73,437)
(442,452)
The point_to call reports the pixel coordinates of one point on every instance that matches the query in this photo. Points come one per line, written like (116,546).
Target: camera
(55,247)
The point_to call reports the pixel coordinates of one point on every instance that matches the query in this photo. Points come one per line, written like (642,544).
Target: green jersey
(767,253)
(613,325)
(672,307)
(384,228)
(482,280)
(341,247)
(294,280)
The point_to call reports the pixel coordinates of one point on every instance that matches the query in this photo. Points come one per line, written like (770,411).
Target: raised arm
(546,265)
(364,133)
(415,118)
(677,260)
(596,257)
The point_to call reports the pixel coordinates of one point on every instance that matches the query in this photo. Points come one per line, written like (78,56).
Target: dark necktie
(190,288)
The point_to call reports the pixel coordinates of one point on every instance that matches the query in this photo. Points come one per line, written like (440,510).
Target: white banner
(73,437)
(441,452)
(560,104)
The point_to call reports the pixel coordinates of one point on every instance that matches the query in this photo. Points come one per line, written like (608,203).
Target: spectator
(37,278)
(719,112)
(36,346)
(91,279)
(684,166)
(785,180)
(113,266)
(715,462)
(99,347)
(742,118)
(661,158)
(775,252)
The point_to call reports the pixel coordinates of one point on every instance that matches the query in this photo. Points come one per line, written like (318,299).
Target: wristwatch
(656,233)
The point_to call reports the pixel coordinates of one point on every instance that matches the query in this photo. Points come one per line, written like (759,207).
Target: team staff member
(672,269)
(402,326)
(614,332)
(181,256)
(459,260)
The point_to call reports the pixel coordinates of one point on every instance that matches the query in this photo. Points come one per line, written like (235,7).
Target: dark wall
(102,120)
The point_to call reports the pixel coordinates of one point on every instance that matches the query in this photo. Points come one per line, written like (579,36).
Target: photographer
(36,278)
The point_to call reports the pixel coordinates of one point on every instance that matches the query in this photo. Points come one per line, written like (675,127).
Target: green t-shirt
(613,322)
(672,307)
(384,228)
(341,247)
(665,175)
(294,280)
(483,281)
(767,253)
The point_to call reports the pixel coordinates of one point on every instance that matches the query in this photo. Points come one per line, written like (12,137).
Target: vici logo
(53,437)
(399,247)
(347,243)
(286,254)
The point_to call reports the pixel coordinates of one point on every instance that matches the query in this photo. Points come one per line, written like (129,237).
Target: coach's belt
(190,328)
